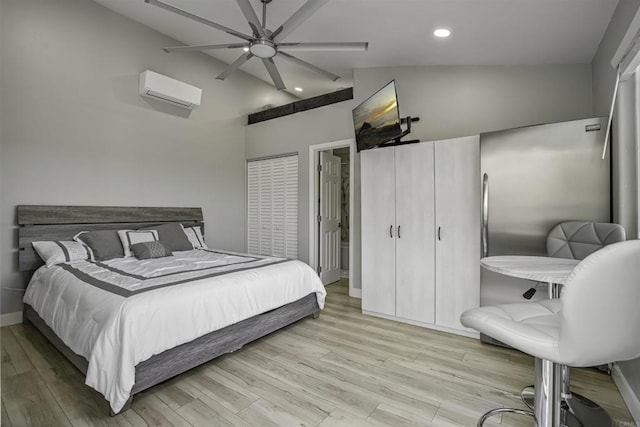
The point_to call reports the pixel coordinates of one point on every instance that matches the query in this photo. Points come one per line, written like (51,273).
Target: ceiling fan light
(246,49)
(263,48)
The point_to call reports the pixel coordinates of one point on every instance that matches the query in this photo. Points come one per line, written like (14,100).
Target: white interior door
(329,218)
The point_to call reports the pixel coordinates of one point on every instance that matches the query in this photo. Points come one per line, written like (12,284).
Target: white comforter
(115,333)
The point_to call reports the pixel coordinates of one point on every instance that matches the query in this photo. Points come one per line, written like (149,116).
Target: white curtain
(626,134)
(636,103)
(625,159)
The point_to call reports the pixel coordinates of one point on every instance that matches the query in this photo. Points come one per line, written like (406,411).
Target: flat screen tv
(377,119)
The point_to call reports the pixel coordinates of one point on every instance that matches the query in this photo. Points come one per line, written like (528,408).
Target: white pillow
(194,234)
(55,252)
(131,237)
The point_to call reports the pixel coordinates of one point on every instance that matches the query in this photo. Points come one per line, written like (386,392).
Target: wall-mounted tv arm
(406,132)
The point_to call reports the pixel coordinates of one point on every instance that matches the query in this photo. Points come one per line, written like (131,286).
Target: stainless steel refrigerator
(534,178)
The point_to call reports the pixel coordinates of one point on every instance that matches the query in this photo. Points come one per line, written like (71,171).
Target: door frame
(314,194)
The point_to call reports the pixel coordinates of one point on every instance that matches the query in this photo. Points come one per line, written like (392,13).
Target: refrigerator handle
(485,215)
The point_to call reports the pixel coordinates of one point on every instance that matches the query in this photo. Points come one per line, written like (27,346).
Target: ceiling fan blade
(301,15)
(197,18)
(235,65)
(319,70)
(340,46)
(251,17)
(204,47)
(273,72)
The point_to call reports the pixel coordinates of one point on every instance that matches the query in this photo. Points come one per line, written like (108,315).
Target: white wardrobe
(421,232)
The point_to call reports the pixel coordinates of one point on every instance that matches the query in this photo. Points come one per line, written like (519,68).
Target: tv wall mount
(407,131)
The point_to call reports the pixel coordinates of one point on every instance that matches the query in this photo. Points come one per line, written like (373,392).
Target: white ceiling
(399,32)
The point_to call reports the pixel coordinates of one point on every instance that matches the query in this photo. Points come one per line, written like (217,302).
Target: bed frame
(37,222)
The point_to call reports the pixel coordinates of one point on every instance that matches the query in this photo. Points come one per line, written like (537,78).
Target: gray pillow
(105,244)
(173,235)
(153,249)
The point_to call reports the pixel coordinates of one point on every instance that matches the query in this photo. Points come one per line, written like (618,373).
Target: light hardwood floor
(343,369)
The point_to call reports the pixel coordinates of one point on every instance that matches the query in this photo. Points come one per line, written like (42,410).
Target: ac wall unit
(166,89)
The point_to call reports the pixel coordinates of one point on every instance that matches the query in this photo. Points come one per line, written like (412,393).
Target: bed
(129,325)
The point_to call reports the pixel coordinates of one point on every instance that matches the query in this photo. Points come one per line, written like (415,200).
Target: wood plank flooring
(343,369)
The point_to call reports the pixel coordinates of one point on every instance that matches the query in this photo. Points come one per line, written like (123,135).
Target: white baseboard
(9,319)
(355,293)
(465,333)
(629,397)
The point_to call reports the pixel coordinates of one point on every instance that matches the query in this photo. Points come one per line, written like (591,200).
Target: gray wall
(75,131)
(624,164)
(295,133)
(460,101)
(450,101)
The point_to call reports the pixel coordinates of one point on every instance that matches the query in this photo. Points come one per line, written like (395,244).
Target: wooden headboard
(41,222)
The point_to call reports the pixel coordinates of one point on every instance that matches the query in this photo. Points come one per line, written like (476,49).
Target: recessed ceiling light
(297,89)
(442,33)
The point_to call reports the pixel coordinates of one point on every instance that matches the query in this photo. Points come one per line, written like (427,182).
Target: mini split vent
(171,91)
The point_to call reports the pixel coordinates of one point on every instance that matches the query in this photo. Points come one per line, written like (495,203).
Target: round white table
(579,410)
(553,271)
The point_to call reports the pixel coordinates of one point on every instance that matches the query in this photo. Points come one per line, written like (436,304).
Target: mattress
(121,312)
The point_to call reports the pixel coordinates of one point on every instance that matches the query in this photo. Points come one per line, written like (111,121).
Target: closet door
(272,207)
(378,230)
(253,207)
(415,275)
(291,207)
(457,182)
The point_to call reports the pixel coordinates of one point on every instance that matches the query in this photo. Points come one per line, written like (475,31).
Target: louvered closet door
(291,207)
(272,207)
(253,207)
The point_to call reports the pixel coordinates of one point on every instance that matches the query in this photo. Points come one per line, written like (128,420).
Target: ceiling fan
(264,43)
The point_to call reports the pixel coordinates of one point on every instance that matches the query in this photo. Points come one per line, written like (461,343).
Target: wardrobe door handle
(439,232)
(391,231)
(398,232)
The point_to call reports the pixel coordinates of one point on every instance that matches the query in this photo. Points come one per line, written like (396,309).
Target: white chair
(579,239)
(594,322)
(570,239)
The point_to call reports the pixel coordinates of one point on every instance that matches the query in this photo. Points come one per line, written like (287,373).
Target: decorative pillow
(173,235)
(55,252)
(131,237)
(194,234)
(105,244)
(152,249)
